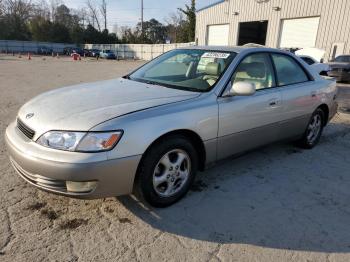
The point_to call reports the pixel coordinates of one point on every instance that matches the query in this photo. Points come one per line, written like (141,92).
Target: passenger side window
(256,69)
(288,70)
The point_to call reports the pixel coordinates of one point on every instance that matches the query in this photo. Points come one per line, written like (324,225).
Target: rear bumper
(113,177)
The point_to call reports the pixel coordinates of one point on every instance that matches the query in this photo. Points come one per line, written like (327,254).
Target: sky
(127,12)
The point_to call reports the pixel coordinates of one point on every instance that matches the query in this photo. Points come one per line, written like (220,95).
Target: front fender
(142,128)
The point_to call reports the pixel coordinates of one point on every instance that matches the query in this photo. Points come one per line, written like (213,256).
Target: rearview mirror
(242,89)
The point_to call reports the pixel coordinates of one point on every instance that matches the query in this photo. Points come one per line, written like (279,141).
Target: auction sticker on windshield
(215,55)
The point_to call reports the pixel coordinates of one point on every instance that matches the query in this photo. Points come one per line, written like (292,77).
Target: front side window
(256,69)
(186,69)
(288,70)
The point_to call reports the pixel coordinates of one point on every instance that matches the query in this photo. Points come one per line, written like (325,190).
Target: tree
(15,14)
(93,13)
(103,10)
(154,32)
(190,27)
(40,28)
(63,16)
(23,20)
(174,21)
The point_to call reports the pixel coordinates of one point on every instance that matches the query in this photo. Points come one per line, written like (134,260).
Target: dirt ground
(278,203)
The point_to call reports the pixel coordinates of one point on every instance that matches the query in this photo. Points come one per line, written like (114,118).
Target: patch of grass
(73,223)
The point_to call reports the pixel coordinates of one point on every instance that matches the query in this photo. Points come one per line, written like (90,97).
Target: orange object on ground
(75,56)
(29,56)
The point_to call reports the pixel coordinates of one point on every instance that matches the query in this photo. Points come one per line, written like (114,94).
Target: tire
(161,182)
(313,131)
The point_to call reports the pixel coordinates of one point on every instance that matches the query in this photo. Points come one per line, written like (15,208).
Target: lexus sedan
(150,131)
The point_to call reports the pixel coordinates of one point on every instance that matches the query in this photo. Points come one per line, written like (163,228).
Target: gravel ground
(278,203)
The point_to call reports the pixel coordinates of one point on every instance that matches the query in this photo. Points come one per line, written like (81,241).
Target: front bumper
(49,169)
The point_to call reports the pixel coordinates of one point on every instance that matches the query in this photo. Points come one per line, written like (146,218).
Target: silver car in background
(154,128)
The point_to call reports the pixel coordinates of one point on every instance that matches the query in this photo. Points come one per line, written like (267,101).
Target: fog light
(80,187)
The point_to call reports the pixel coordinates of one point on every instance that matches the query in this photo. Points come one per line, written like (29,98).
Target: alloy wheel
(171,172)
(314,129)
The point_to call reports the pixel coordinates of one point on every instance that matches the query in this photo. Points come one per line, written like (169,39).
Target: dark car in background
(44,50)
(94,52)
(70,50)
(340,68)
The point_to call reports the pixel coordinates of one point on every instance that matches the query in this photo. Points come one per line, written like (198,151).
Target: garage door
(301,32)
(217,35)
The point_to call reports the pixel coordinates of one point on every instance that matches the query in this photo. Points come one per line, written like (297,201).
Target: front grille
(44,182)
(28,132)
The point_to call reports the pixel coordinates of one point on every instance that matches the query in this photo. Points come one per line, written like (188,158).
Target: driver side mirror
(242,89)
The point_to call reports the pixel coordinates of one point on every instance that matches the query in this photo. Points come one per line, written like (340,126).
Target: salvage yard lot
(278,203)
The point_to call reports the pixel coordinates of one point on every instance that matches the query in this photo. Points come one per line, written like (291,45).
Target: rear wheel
(314,130)
(167,171)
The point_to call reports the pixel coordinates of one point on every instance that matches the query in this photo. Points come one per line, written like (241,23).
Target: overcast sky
(127,12)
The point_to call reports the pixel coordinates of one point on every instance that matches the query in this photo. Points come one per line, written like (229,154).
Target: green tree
(40,28)
(190,24)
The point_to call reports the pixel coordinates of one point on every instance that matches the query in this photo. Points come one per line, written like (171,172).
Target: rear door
(246,122)
(299,94)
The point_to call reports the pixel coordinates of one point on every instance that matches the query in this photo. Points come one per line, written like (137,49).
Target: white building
(323,24)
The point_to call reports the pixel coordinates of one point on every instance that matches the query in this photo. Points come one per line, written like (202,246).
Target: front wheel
(313,131)
(167,171)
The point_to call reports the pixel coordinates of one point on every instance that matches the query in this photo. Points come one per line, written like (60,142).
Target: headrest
(213,68)
(253,69)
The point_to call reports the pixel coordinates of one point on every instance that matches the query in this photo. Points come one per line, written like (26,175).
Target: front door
(246,122)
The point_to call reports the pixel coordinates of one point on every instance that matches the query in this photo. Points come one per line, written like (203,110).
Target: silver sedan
(154,128)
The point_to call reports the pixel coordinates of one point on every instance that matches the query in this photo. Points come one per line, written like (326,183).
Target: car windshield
(345,59)
(185,69)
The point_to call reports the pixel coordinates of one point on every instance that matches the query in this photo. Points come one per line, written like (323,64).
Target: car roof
(236,49)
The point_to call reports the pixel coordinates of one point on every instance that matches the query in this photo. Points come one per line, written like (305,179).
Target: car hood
(81,107)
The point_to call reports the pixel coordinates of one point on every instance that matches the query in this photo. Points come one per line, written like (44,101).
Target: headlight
(80,141)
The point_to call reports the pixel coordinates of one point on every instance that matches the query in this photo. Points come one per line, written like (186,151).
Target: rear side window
(288,70)
(308,60)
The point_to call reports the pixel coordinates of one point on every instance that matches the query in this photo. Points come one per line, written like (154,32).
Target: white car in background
(320,68)
(314,58)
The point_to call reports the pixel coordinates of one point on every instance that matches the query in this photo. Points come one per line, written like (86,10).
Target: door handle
(273,102)
(313,94)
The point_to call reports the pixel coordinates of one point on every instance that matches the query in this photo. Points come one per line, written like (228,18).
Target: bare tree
(53,8)
(2,7)
(19,8)
(174,21)
(103,10)
(93,12)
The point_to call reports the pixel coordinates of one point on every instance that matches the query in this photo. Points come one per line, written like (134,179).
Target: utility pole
(142,21)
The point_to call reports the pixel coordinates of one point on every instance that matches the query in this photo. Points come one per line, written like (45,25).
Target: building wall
(334,23)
